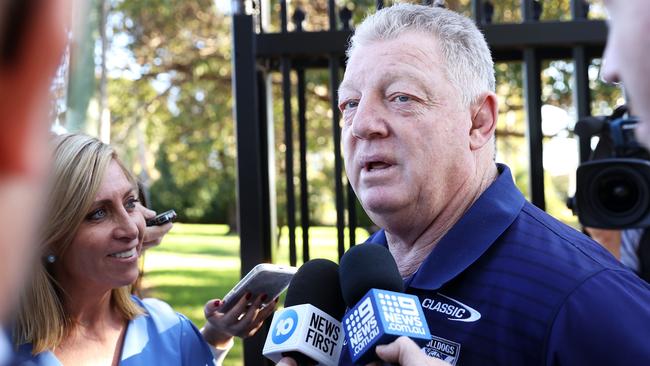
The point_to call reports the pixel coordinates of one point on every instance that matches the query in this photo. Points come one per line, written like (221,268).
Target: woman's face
(104,252)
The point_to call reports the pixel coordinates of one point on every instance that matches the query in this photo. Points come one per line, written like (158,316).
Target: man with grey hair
(500,281)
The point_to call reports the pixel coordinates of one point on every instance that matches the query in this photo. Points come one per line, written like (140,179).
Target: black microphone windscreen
(367,266)
(317,283)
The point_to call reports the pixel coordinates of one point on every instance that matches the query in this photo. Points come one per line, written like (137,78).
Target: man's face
(406,133)
(627,56)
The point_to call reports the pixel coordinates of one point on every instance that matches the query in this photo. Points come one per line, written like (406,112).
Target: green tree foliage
(179,98)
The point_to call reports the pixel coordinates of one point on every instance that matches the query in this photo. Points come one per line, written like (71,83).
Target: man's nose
(609,69)
(369,120)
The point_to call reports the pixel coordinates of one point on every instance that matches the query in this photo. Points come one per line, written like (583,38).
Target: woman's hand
(153,235)
(241,320)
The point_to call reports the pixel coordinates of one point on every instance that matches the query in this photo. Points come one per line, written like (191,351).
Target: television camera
(613,181)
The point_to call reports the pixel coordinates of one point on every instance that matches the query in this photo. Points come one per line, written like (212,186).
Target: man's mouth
(376,165)
(125,254)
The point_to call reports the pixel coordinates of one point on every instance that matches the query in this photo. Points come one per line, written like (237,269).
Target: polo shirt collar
(471,236)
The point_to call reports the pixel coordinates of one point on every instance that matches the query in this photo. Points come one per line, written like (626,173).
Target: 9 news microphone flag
(380,318)
(308,329)
(379,311)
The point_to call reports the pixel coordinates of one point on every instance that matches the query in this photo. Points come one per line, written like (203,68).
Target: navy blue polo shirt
(511,285)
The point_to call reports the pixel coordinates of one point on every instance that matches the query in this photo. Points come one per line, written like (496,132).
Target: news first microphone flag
(381,317)
(307,330)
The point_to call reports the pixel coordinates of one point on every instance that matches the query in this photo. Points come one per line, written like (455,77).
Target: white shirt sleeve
(219,354)
(630,240)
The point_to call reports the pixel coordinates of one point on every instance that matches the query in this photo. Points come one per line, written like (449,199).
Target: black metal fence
(256,54)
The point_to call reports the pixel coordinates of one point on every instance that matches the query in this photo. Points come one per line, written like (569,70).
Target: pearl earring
(51,258)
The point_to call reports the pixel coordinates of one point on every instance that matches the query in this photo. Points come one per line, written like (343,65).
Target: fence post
(253,208)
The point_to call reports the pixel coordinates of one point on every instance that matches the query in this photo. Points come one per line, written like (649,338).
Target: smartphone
(265,278)
(162,219)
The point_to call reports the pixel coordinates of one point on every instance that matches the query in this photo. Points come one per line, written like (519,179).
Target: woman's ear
(484,120)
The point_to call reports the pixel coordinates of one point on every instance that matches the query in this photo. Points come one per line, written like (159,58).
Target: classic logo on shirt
(443,349)
(454,309)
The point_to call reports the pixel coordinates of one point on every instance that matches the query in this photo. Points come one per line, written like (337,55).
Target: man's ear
(484,120)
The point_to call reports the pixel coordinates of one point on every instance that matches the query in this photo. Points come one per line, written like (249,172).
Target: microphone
(379,310)
(308,329)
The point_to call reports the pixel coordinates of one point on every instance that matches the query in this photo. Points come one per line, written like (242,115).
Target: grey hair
(466,54)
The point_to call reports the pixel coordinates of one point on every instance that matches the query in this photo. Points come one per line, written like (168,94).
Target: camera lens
(618,193)
(614,193)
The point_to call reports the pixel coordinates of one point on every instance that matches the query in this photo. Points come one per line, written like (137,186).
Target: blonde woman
(78,309)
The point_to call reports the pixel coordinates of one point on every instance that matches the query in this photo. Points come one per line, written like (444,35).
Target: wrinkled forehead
(410,56)
(424,43)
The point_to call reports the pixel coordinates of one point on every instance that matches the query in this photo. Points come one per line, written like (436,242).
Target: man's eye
(97,215)
(350,104)
(402,98)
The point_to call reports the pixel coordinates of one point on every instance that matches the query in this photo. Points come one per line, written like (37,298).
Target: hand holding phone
(265,278)
(242,320)
(162,219)
(156,228)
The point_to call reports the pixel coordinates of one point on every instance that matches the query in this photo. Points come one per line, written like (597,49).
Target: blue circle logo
(285,326)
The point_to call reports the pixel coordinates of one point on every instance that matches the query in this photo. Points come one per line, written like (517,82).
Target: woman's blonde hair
(80,163)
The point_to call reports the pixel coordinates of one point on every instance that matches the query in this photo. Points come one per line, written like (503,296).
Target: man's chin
(382,208)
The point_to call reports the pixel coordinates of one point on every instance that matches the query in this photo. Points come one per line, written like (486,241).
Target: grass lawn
(196,263)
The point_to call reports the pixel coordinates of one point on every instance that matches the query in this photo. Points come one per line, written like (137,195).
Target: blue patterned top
(159,337)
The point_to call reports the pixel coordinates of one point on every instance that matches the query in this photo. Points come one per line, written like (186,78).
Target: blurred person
(500,281)
(78,309)
(626,57)
(32,40)
(626,62)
